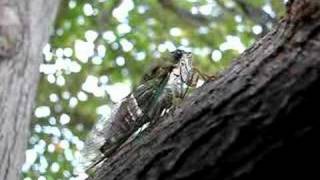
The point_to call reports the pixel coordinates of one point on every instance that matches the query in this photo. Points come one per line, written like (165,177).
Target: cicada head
(177,55)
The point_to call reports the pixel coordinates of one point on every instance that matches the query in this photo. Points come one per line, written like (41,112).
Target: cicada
(158,92)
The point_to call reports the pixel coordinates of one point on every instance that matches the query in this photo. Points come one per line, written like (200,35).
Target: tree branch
(257,15)
(195,19)
(257,121)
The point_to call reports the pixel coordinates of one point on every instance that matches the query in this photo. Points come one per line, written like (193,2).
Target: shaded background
(99,49)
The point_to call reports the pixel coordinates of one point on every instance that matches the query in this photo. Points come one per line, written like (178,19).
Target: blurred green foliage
(99,49)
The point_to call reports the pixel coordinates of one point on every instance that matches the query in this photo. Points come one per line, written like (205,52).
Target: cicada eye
(177,54)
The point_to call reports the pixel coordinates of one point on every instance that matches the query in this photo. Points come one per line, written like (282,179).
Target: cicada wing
(145,103)
(100,133)
(90,153)
(122,123)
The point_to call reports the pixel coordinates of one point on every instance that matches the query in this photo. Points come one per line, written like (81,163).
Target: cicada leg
(205,77)
(194,77)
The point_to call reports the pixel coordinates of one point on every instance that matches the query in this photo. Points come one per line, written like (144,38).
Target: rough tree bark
(24,30)
(257,121)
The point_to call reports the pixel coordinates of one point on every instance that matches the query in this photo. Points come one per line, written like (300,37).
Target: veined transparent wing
(91,152)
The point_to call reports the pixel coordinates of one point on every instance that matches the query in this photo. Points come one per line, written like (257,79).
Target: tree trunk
(24,30)
(256,121)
